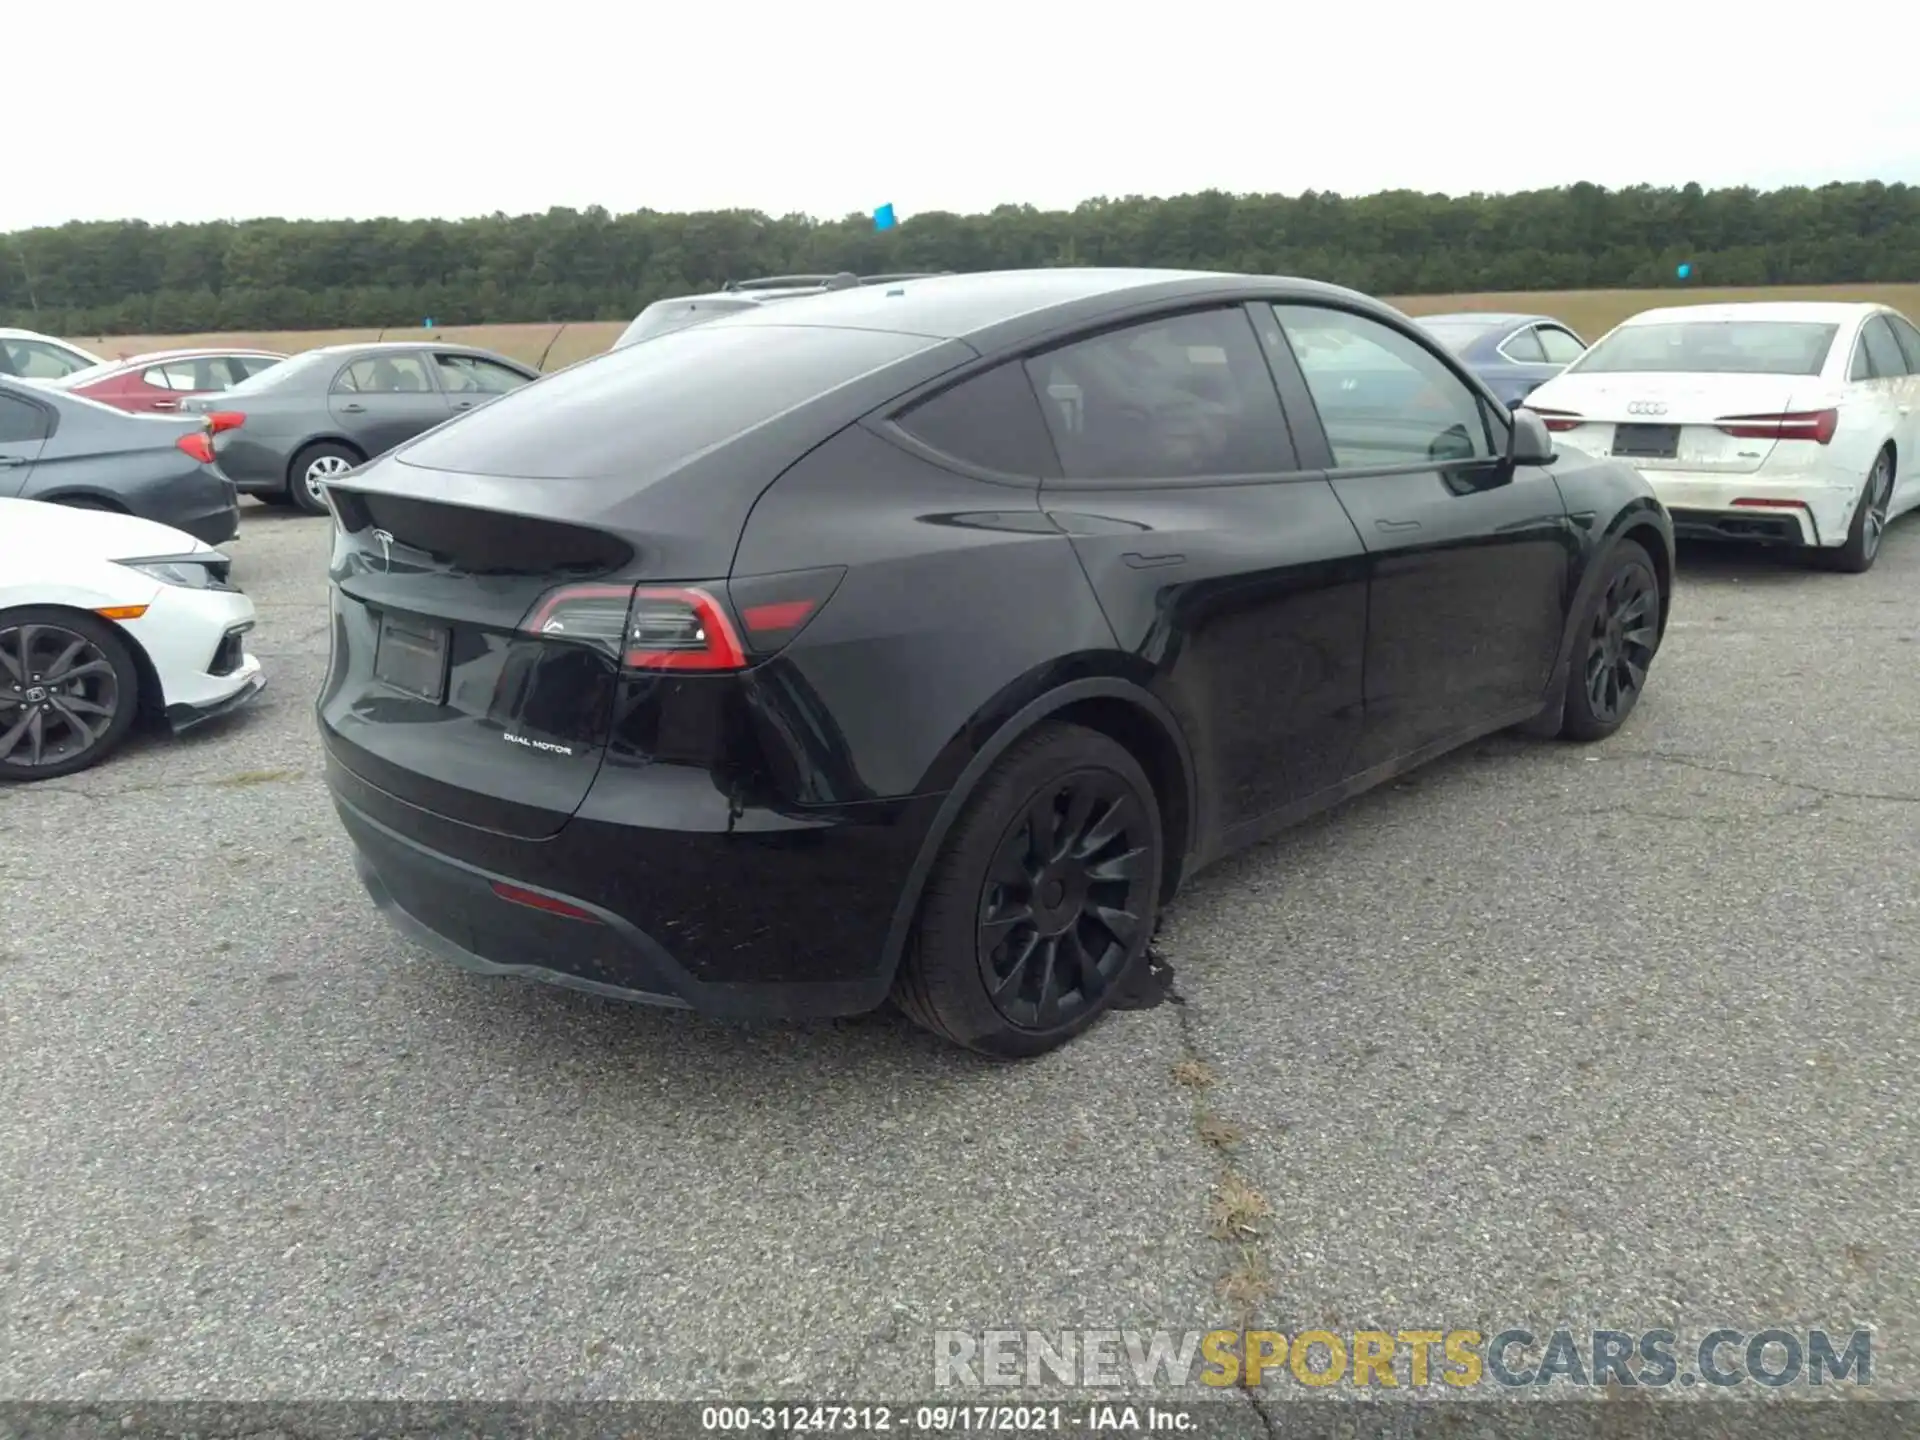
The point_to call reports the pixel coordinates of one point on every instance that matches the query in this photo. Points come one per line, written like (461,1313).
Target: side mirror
(1531,443)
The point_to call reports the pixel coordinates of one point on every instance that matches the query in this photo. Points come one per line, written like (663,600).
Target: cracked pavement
(1611,1036)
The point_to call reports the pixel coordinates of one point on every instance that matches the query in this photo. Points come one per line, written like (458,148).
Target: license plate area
(1646,442)
(412,658)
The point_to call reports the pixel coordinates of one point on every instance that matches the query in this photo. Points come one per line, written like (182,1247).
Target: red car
(160,381)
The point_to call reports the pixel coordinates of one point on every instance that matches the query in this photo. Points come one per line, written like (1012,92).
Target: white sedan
(104,617)
(1789,422)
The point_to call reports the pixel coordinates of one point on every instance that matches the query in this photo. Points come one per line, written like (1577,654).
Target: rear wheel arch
(1133,717)
(313,442)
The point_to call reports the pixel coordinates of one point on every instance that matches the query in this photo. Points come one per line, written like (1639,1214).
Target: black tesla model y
(919,640)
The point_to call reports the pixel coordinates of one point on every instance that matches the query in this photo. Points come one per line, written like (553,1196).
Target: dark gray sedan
(283,434)
(74,451)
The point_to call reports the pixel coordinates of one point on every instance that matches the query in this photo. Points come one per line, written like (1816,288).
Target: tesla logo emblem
(386,548)
(1646,407)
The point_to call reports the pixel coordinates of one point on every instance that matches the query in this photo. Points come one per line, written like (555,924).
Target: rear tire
(311,467)
(1614,645)
(1041,905)
(68,682)
(1869,524)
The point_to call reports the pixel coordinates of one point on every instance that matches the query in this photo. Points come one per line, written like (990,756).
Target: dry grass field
(1591,312)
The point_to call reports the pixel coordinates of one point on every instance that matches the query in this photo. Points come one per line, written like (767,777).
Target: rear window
(1457,334)
(663,317)
(1712,347)
(649,408)
(279,371)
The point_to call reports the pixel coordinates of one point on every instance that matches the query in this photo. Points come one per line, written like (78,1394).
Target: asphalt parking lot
(1618,1036)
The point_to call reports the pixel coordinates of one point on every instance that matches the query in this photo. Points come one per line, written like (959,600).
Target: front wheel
(69,692)
(313,469)
(1042,902)
(1618,634)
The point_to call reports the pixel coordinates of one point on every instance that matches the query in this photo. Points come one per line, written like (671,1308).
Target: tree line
(129,277)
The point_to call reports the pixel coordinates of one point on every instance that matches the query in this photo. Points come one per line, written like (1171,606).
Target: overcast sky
(349,108)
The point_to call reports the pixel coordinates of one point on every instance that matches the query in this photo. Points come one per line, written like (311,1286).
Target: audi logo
(1646,407)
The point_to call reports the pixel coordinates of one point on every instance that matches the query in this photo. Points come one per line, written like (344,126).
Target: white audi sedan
(103,618)
(1787,422)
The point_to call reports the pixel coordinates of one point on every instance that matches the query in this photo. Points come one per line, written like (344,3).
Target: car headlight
(189,572)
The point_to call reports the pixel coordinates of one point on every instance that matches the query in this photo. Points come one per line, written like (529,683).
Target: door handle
(9,462)
(463,404)
(166,404)
(354,409)
(1392,525)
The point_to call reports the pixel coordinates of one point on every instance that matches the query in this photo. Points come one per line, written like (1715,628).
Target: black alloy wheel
(1064,900)
(68,693)
(1042,903)
(1618,637)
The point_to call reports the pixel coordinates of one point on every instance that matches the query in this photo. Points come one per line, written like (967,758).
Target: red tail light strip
(534,900)
(1815,425)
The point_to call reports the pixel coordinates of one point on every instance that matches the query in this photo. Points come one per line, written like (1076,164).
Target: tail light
(1558,421)
(224,420)
(686,627)
(1815,425)
(649,627)
(197,444)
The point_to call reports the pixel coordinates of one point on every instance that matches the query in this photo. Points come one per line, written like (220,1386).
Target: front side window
(1179,397)
(1384,398)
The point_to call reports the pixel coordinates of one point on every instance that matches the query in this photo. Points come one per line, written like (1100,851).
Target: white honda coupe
(1788,422)
(103,618)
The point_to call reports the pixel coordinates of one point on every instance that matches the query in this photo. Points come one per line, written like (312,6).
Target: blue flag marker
(1683,270)
(883,218)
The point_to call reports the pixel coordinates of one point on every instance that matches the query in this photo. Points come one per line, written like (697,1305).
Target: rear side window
(21,423)
(1562,347)
(1180,397)
(1524,347)
(990,420)
(652,407)
(1883,351)
(385,375)
(1908,339)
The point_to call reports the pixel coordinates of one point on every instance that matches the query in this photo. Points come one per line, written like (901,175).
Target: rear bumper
(751,924)
(1810,508)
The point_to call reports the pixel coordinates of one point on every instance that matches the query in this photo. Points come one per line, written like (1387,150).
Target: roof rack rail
(842,280)
(780,282)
